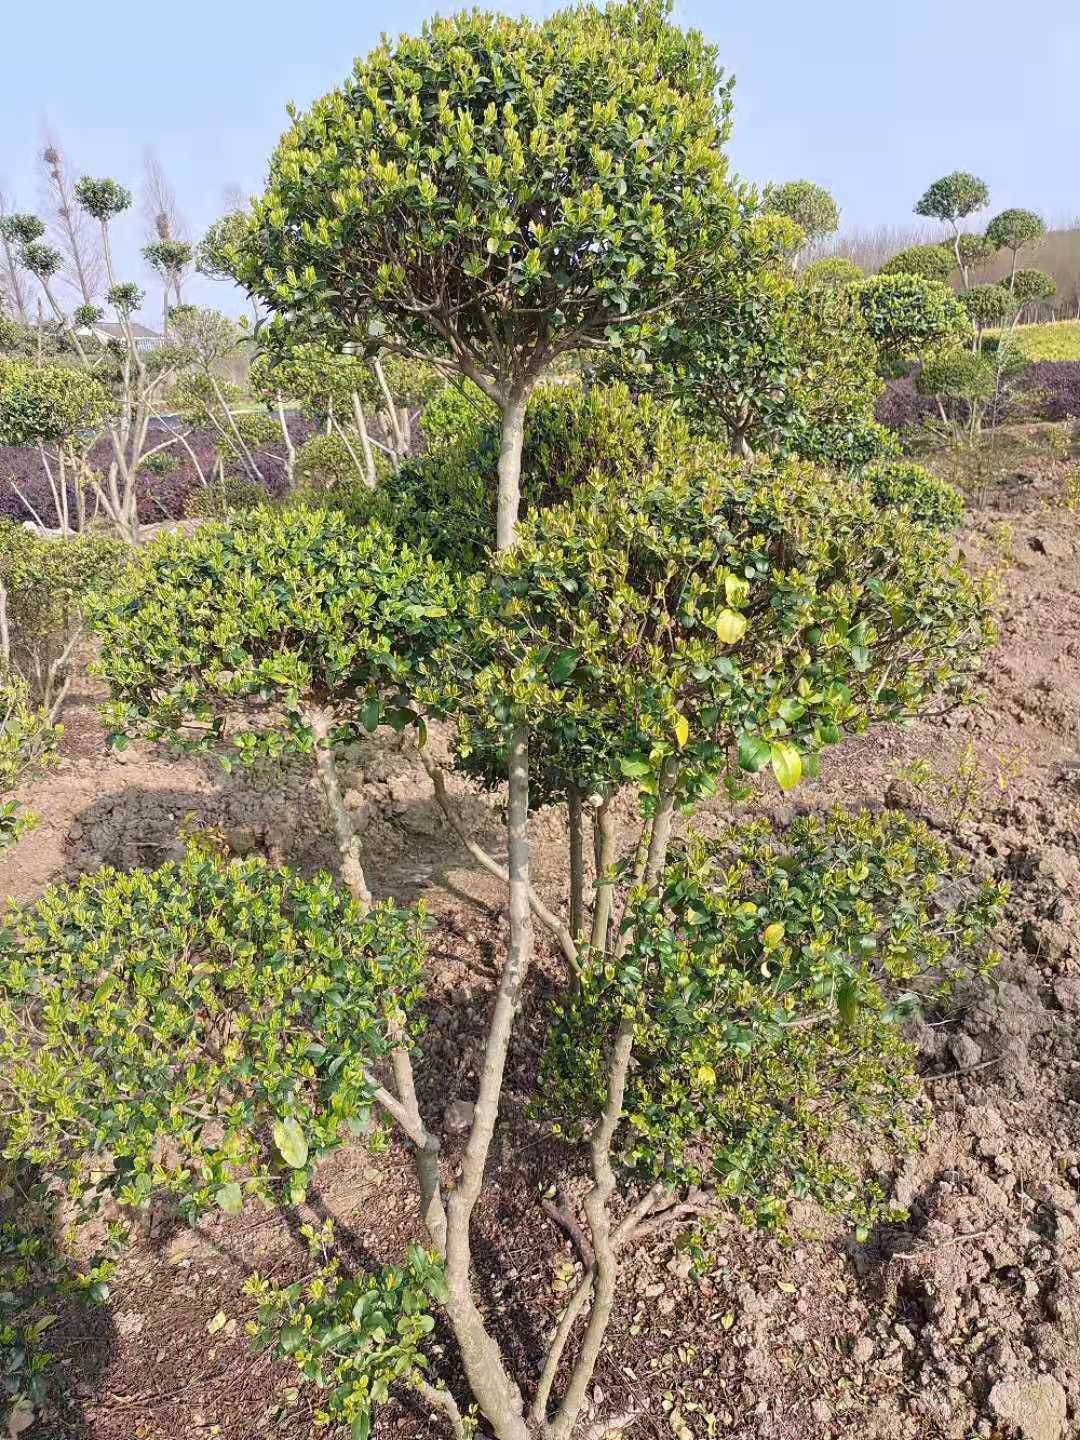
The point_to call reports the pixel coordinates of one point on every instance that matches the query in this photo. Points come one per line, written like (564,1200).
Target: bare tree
(162,217)
(70,232)
(13,288)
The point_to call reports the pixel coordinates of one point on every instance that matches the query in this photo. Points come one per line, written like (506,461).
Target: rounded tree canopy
(168,257)
(957,375)
(908,315)
(139,974)
(954,197)
(47,404)
(21,229)
(932,262)
(502,189)
(297,606)
(1032,285)
(987,304)
(1013,229)
(832,272)
(700,610)
(974,249)
(809,206)
(102,199)
(215,252)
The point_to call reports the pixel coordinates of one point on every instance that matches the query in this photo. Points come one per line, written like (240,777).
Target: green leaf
(230,1198)
(634,768)
(291,1144)
(754,753)
(786,763)
(361,1426)
(564,667)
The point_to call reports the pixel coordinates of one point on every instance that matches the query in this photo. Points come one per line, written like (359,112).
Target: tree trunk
(577,859)
(352,870)
(510,445)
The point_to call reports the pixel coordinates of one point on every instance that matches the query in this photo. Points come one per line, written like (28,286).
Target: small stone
(965,1051)
(821,1410)
(458,1117)
(862,1352)
(1036,1406)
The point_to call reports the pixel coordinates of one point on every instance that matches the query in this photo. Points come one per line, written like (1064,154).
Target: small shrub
(218,498)
(832,272)
(902,485)
(27,743)
(327,461)
(45,587)
(161,462)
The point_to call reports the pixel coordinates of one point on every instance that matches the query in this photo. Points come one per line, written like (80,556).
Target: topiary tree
(169,259)
(136,383)
(1027,286)
(768,362)
(932,262)
(52,407)
(673,624)
(45,587)
(1013,230)
(963,384)
(953,199)
(908,316)
(987,305)
(972,250)
(567,174)
(831,272)
(806,205)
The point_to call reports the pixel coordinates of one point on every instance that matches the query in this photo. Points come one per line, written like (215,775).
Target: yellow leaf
(786,764)
(773,935)
(730,626)
(682,730)
(706,1075)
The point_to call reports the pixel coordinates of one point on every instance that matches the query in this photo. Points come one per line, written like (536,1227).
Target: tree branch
(490,864)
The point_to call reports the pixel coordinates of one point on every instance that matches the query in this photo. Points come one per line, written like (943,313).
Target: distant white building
(106,330)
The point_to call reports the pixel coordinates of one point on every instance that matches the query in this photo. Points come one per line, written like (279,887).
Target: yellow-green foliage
(1058,340)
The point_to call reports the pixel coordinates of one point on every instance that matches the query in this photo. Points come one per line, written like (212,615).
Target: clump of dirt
(962,1321)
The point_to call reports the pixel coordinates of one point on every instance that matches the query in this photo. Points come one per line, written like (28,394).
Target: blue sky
(873,101)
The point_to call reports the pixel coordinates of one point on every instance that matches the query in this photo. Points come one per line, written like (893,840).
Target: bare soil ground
(964,1321)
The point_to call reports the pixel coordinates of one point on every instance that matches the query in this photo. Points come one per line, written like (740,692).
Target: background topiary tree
(909,317)
(953,199)
(808,206)
(932,262)
(831,272)
(987,305)
(45,589)
(1014,230)
(963,384)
